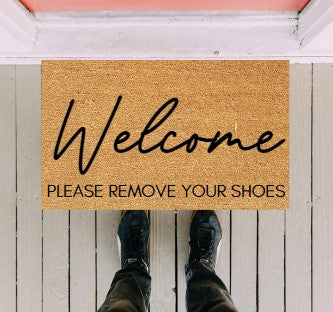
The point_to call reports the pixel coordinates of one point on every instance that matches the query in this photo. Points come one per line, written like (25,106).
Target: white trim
(317,15)
(168,37)
(145,18)
(291,59)
(101,16)
(177,36)
(161,35)
(17,22)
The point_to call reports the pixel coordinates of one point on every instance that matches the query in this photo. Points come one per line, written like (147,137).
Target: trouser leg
(205,290)
(130,291)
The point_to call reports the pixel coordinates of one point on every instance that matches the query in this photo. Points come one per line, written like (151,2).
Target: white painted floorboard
(108,261)
(29,213)
(162,253)
(298,218)
(55,261)
(183,228)
(322,188)
(82,261)
(224,258)
(7,189)
(272,261)
(244,260)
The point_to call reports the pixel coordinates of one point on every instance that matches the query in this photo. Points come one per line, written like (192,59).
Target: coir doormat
(165,134)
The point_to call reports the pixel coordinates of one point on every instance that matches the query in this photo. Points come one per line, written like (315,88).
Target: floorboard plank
(271,261)
(241,242)
(162,264)
(82,261)
(183,228)
(29,213)
(56,273)
(8,189)
(55,261)
(244,260)
(298,218)
(322,187)
(108,262)
(223,260)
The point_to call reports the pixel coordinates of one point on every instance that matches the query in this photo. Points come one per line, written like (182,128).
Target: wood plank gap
(176,263)
(95,260)
(42,261)
(69,261)
(230,251)
(16,299)
(284,262)
(149,220)
(311,187)
(257,265)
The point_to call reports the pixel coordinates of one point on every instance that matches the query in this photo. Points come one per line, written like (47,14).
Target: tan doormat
(165,134)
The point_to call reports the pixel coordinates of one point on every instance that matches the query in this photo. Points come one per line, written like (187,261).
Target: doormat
(165,134)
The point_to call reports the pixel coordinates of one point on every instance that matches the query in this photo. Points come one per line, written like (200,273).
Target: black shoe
(205,236)
(133,233)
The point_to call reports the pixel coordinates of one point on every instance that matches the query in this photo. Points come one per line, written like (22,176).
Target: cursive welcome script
(161,115)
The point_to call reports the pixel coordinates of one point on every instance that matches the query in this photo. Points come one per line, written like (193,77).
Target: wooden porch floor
(272,261)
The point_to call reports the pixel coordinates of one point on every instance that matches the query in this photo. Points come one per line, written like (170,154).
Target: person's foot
(205,236)
(133,233)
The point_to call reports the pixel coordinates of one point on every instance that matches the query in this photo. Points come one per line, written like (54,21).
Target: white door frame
(27,38)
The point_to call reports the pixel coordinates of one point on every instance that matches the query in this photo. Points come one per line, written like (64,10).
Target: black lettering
(280,189)
(50,189)
(186,189)
(159,117)
(112,190)
(82,131)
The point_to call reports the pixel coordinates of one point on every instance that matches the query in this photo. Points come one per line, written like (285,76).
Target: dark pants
(130,291)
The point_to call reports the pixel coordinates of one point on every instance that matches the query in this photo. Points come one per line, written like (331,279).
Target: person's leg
(130,288)
(205,290)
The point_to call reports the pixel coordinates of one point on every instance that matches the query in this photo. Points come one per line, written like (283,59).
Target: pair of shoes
(133,233)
